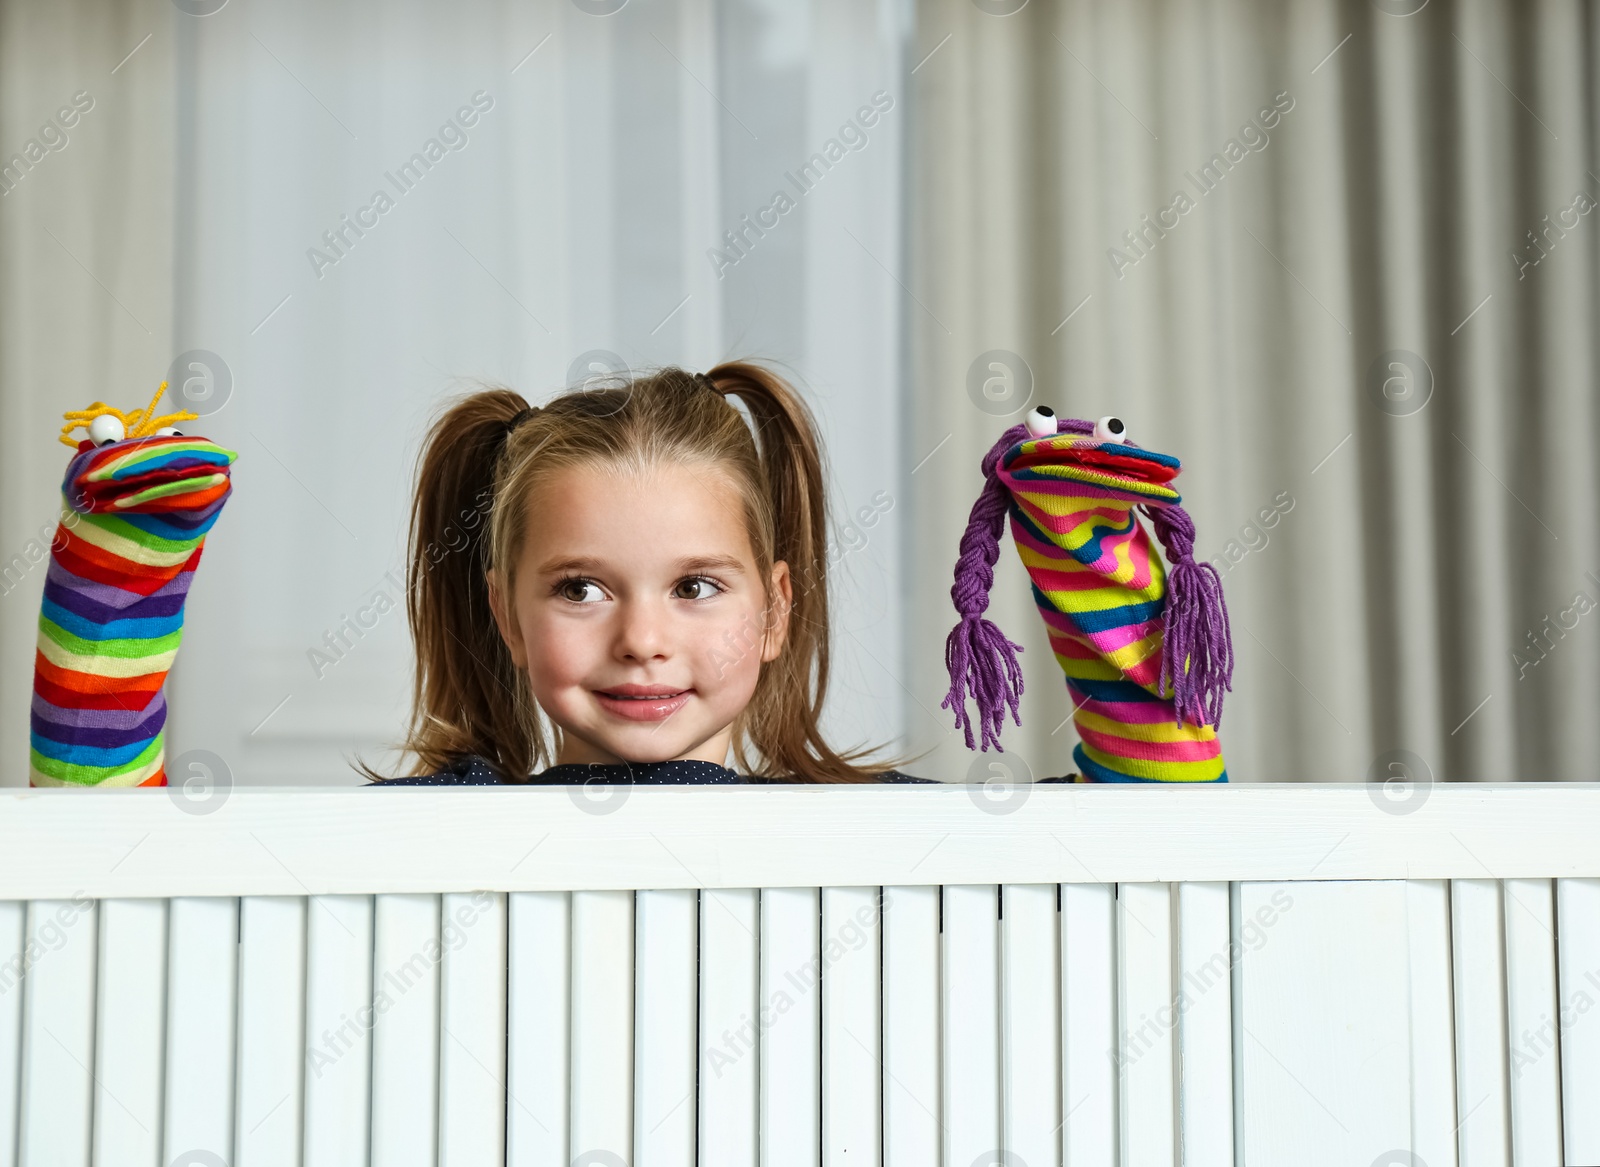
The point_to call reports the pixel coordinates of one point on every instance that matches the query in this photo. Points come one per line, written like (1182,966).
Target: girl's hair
(482,460)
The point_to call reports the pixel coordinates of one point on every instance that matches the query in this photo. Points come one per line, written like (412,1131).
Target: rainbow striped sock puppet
(137,501)
(1147,655)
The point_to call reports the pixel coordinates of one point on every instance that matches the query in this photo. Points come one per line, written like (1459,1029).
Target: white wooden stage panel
(1186,1016)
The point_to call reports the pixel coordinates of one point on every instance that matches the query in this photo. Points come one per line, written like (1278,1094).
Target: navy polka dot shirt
(475,771)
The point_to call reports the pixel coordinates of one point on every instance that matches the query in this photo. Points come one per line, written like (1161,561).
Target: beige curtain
(86,227)
(1382,386)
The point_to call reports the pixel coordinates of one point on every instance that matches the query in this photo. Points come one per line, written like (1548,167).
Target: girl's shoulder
(469,770)
(896,776)
(472,770)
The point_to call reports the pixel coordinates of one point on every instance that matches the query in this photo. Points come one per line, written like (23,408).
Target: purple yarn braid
(977,654)
(1197,655)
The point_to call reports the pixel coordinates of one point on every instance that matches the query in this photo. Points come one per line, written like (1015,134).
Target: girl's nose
(641,632)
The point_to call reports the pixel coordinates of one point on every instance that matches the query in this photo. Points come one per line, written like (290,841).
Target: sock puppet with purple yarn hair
(1147,653)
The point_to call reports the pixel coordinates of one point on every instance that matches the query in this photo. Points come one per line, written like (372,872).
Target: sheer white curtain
(1385,407)
(577,172)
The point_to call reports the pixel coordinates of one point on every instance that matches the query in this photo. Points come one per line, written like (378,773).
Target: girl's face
(639,615)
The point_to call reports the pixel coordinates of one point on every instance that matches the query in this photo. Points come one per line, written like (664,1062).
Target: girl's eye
(580,591)
(696,588)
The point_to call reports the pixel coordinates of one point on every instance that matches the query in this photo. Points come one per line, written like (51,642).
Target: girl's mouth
(643,702)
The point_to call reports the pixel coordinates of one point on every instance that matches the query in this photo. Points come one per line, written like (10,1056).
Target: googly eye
(169,431)
(106,429)
(1110,429)
(1040,422)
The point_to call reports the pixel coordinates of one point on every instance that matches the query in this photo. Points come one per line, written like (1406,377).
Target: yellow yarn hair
(141,423)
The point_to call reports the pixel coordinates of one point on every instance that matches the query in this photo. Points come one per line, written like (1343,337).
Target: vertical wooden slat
(1031,1019)
(13,920)
(602,1025)
(730,985)
(1147,1019)
(1483,1102)
(130,1037)
(666,1028)
(1089,1108)
(405,1030)
(272,1030)
(1532,1022)
(851,1060)
(472,1030)
(1578,928)
(57,1034)
(971,1012)
(339,1017)
(538,1053)
(1433,1101)
(1205,1024)
(1235,915)
(202,984)
(789,1020)
(1325,1039)
(912,1101)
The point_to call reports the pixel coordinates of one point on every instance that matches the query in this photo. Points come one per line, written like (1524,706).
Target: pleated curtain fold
(1339,259)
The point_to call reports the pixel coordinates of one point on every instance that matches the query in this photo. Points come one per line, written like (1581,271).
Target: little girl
(622,586)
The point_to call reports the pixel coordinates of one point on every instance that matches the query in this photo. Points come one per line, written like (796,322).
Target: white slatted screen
(1145,1025)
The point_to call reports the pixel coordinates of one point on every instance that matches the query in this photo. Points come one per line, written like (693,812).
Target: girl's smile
(643,702)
